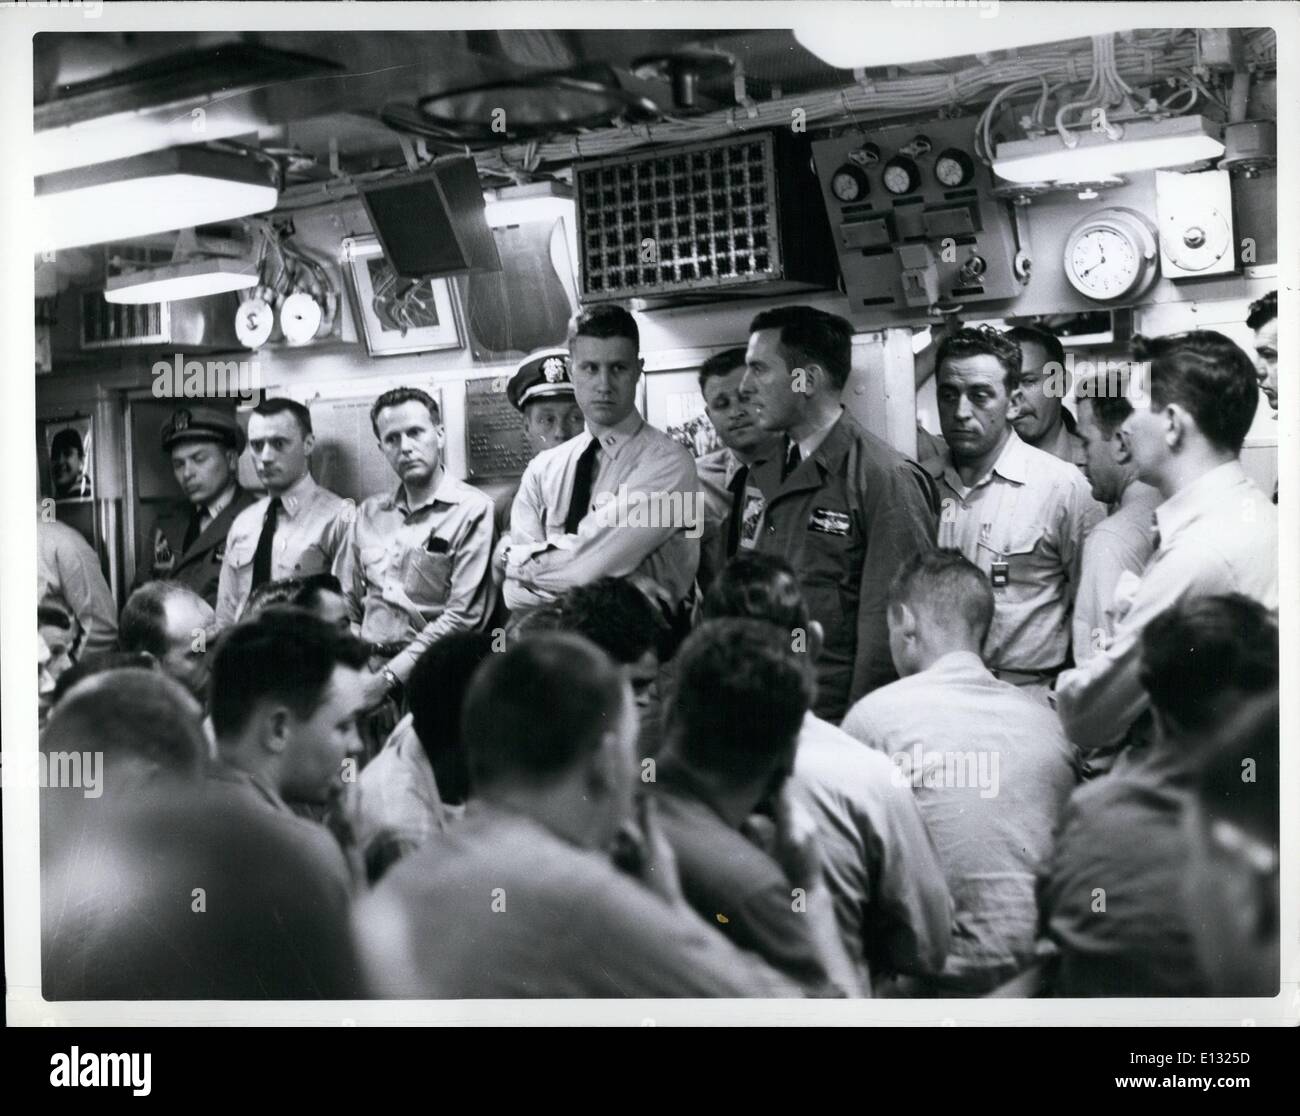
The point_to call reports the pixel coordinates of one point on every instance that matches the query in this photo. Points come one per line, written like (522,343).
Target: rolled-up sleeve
(87,594)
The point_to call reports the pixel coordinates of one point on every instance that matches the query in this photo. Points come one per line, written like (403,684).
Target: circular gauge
(902,175)
(867,155)
(300,318)
(953,168)
(254,321)
(1111,255)
(849,184)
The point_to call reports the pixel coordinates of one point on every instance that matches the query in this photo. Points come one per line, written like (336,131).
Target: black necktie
(582,478)
(737,487)
(792,459)
(262,555)
(192,531)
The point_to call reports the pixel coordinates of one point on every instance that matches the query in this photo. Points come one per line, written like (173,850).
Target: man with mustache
(189,544)
(415,564)
(725,472)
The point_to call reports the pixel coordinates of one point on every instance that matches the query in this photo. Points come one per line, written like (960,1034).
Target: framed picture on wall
(69,446)
(674,403)
(397,315)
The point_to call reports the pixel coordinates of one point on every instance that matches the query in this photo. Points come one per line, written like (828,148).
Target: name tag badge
(1000,574)
(751,517)
(827,522)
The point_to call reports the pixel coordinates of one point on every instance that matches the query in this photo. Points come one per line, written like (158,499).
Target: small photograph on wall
(674,403)
(397,315)
(69,455)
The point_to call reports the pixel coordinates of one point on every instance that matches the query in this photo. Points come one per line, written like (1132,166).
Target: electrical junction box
(1194,220)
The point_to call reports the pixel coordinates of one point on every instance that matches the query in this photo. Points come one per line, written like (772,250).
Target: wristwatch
(393,681)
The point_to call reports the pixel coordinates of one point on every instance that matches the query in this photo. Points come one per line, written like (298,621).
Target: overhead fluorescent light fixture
(158,192)
(1145,145)
(178,281)
(857,36)
(533,201)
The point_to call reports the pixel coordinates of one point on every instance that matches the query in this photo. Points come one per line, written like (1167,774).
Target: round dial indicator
(1111,255)
(953,168)
(901,175)
(849,184)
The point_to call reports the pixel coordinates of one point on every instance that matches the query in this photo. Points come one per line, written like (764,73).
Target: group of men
(815,727)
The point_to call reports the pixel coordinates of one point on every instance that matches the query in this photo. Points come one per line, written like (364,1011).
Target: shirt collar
(1204,493)
(447,492)
(613,438)
(222,502)
(1012,465)
(299,494)
(810,443)
(954,660)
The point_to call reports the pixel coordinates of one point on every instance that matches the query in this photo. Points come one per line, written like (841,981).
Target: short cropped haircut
(543,618)
(396,397)
(143,623)
(1106,392)
(758,586)
(99,663)
(945,585)
(301,592)
(1207,375)
(811,336)
(740,697)
(133,712)
(615,615)
(1262,311)
(1045,339)
(537,711)
(279,405)
(606,319)
(436,692)
(721,364)
(1200,656)
(285,655)
(1254,734)
(982,341)
(67,438)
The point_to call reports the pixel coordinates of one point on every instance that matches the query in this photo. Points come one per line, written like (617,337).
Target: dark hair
(758,586)
(721,364)
(99,663)
(544,618)
(615,615)
(606,319)
(811,336)
(982,341)
(279,405)
(1107,393)
(740,697)
(1201,655)
(1254,734)
(536,711)
(1262,311)
(1044,338)
(396,397)
(67,438)
(47,616)
(302,592)
(945,585)
(133,712)
(436,691)
(284,654)
(143,623)
(1208,375)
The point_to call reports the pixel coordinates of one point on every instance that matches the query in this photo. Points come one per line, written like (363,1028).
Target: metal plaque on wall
(495,442)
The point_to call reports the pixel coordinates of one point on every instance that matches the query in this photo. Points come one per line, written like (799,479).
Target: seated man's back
(991,772)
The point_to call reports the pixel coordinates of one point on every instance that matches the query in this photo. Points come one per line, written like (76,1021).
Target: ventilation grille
(107,325)
(698,217)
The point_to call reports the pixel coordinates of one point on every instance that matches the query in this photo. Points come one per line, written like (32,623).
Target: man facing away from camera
(522,897)
(988,763)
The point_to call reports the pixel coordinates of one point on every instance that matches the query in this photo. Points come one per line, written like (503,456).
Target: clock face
(848,184)
(1110,257)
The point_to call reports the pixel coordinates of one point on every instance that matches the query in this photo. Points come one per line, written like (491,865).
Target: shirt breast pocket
(1027,556)
(311,561)
(240,554)
(426,578)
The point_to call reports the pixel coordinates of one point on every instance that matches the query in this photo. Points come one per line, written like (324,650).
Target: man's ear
(274,728)
(1175,420)
(308,443)
(816,639)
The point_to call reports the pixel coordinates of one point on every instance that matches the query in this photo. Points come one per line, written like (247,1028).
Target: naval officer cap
(202,424)
(542,375)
